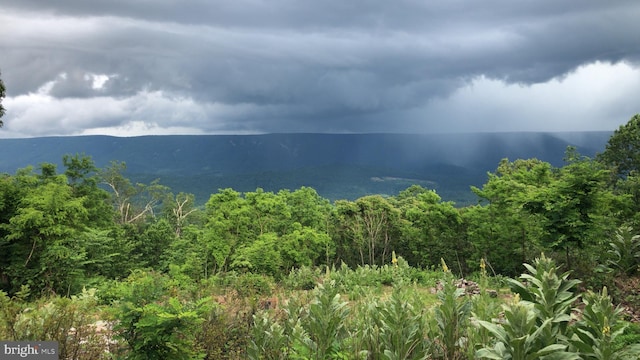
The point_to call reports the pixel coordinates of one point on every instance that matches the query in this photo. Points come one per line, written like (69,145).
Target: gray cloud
(285,65)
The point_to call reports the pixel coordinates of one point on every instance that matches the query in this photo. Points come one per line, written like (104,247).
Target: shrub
(164,330)
(303,278)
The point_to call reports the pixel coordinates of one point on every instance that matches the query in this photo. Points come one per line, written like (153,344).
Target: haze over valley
(338,166)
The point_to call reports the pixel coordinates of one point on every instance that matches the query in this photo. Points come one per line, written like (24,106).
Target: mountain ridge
(337,165)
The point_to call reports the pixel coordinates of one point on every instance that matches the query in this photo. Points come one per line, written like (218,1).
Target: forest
(115,269)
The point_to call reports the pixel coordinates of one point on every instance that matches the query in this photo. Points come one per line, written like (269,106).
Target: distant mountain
(336,165)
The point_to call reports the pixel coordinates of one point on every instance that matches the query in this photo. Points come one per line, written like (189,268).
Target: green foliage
(268,339)
(189,254)
(69,321)
(504,233)
(261,256)
(429,223)
(304,246)
(164,330)
(82,176)
(537,325)
(152,244)
(629,337)
(552,296)
(451,320)
(154,324)
(622,152)
(246,284)
(365,229)
(598,329)
(10,308)
(324,324)
(624,249)
(302,278)
(520,336)
(402,328)
(573,204)
(59,233)
(41,246)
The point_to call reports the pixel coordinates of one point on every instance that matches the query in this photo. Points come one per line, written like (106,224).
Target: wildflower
(516,299)
(394,259)
(483,267)
(445,268)
(606,329)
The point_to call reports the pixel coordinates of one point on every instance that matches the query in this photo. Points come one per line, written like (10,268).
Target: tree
(431,229)
(269,212)
(504,232)
(573,206)
(304,246)
(367,226)
(82,176)
(42,238)
(178,209)
(308,208)
(228,227)
(132,203)
(622,157)
(622,152)
(2,94)
(154,242)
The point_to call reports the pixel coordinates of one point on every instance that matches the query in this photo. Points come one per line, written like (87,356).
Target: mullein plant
(484,307)
(403,328)
(552,296)
(519,336)
(598,328)
(324,325)
(268,339)
(451,319)
(536,324)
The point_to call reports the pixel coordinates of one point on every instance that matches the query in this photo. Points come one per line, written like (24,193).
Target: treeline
(62,231)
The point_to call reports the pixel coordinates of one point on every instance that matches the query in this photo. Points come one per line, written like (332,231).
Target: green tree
(305,246)
(622,152)
(153,243)
(365,229)
(260,256)
(228,226)
(622,157)
(308,208)
(504,232)
(82,176)
(378,219)
(132,203)
(42,237)
(431,229)
(347,233)
(270,212)
(573,207)
(189,254)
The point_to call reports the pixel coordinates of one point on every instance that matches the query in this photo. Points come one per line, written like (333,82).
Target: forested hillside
(344,166)
(168,273)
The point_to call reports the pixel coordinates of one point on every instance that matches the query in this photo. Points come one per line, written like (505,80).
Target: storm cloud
(249,66)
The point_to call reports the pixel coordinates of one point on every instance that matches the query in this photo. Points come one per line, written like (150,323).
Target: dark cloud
(287,65)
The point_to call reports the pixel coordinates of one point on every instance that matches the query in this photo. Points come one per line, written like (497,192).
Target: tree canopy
(622,152)
(61,229)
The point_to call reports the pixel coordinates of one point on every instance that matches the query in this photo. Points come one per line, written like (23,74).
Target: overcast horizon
(123,68)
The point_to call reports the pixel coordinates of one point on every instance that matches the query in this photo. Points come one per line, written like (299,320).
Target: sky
(156,67)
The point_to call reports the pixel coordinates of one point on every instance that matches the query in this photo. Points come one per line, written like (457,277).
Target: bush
(303,278)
